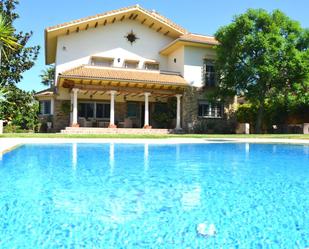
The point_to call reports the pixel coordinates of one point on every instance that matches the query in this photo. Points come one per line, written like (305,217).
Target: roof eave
(165,50)
(78,77)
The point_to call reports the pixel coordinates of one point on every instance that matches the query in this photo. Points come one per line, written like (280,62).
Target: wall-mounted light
(118,60)
(175,60)
(64,48)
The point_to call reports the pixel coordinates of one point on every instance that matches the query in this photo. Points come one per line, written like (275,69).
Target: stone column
(75,113)
(112,111)
(146,120)
(178,126)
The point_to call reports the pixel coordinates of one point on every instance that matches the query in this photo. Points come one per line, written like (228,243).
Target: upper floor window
(210,110)
(102,62)
(209,73)
(131,64)
(151,66)
(45,107)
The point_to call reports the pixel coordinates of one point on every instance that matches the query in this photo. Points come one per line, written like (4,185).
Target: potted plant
(49,121)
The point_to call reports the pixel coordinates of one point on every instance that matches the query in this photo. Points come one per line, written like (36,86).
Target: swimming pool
(154,196)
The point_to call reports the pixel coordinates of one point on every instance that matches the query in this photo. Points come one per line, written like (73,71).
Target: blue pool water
(154,196)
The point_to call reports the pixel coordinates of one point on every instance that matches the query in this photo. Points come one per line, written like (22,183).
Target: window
(132,111)
(93,110)
(45,107)
(210,110)
(131,64)
(86,110)
(151,66)
(102,110)
(102,62)
(209,73)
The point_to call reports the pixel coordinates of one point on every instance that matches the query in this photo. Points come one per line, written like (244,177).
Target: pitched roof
(191,40)
(45,92)
(126,75)
(125,9)
(150,18)
(199,38)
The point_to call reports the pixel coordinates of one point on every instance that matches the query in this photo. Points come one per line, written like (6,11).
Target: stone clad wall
(61,119)
(190,100)
(189,107)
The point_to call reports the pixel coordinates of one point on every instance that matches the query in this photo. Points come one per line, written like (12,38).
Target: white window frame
(131,62)
(42,107)
(153,64)
(208,62)
(94,108)
(102,61)
(209,115)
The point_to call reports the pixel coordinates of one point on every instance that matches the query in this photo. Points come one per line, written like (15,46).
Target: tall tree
(21,59)
(262,55)
(48,76)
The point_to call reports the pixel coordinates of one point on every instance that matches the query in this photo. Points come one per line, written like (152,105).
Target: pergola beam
(137,90)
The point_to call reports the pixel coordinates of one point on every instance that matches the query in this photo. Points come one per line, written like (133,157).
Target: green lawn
(54,135)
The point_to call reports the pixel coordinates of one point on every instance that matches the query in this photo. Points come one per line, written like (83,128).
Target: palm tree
(7,39)
(48,76)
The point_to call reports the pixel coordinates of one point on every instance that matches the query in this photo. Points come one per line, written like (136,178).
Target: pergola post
(178,125)
(71,109)
(146,120)
(74,114)
(112,110)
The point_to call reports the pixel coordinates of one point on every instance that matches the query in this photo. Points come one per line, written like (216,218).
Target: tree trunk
(258,128)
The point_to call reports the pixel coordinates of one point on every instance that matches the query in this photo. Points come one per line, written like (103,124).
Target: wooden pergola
(125,87)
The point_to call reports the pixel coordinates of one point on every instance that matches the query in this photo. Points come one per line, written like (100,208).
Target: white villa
(128,68)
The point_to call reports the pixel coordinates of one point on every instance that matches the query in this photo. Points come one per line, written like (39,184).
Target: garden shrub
(215,126)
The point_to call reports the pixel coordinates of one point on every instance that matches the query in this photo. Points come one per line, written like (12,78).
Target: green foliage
(66,107)
(7,39)
(262,56)
(215,126)
(10,128)
(19,108)
(279,113)
(22,58)
(48,76)
(167,113)
(246,113)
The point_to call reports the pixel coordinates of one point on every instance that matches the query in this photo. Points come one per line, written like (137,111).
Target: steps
(135,131)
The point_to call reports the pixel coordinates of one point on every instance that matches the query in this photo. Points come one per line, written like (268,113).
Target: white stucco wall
(193,63)
(108,41)
(178,54)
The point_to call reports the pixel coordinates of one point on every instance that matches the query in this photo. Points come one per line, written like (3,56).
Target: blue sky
(197,16)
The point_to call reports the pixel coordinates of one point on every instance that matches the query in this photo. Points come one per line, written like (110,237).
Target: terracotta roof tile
(102,15)
(45,92)
(124,75)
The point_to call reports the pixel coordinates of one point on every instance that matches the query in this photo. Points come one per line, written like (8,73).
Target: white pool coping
(7,144)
